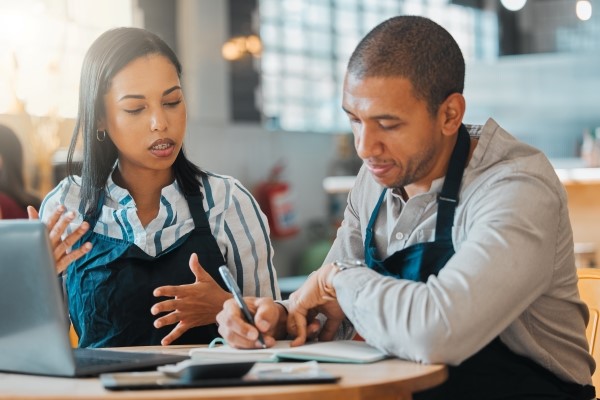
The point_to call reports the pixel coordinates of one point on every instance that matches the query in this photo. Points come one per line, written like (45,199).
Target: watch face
(348,263)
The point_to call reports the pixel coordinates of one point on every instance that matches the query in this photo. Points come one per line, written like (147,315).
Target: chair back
(73,338)
(589,290)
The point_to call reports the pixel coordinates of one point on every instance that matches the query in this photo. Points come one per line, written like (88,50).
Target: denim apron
(495,372)
(110,289)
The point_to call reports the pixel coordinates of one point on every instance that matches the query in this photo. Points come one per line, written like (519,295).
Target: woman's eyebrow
(141,96)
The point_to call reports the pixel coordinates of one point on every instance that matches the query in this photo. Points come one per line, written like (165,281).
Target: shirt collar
(121,195)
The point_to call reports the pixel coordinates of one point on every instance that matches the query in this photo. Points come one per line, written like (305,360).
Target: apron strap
(198,214)
(448,197)
(370,250)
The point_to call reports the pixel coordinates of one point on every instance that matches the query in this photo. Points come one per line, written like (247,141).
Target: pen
(237,295)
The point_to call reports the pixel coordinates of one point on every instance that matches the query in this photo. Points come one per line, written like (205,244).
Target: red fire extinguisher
(275,200)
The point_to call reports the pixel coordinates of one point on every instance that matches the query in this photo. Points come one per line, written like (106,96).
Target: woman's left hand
(191,305)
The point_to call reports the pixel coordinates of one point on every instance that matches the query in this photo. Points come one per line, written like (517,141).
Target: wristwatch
(345,264)
(339,266)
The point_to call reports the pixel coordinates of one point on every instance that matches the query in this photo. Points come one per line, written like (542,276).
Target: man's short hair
(414,48)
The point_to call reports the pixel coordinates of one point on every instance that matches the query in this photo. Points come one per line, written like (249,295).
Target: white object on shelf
(338,184)
(579,175)
(343,184)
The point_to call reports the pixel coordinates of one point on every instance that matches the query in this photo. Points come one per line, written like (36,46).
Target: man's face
(394,133)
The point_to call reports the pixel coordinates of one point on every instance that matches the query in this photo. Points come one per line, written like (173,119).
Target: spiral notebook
(339,351)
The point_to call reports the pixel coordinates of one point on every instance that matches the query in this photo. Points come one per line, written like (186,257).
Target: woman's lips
(162,148)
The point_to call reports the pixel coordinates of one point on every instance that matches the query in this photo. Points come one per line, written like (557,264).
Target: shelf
(568,176)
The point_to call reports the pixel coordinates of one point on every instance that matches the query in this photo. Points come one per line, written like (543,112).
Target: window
(42,44)
(307,44)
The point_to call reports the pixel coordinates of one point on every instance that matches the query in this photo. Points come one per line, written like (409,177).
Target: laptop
(34,325)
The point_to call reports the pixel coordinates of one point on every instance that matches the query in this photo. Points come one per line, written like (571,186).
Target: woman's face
(145,114)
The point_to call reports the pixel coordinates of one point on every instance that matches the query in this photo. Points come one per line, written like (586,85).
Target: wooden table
(388,379)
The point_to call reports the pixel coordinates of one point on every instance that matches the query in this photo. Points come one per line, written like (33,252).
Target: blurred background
(262,79)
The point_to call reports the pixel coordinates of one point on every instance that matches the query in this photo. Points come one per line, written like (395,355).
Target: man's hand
(191,305)
(269,317)
(61,248)
(316,295)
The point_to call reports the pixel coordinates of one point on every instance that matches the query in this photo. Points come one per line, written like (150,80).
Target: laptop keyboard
(95,361)
(84,361)
(88,358)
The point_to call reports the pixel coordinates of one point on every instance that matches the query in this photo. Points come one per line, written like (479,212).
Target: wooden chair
(73,337)
(589,290)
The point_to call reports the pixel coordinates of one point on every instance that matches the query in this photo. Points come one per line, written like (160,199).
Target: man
(464,230)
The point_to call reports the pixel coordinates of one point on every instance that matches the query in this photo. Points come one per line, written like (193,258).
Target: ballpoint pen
(237,295)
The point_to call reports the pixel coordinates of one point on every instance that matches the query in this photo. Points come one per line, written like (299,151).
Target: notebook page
(341,351)
(226,352)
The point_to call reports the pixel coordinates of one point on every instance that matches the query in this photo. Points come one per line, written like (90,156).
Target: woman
(144,211)
(14,198)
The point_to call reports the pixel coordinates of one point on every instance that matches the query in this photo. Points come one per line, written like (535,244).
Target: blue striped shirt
(237,223)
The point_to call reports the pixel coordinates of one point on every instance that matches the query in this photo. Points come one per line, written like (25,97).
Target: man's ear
(451,113)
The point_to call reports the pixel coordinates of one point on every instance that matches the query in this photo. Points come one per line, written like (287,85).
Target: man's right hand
(269,317)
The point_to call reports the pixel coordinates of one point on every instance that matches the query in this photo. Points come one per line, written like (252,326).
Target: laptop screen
(34,335)
(34,329)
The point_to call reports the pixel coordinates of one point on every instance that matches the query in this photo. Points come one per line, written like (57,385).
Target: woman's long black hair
(108,55)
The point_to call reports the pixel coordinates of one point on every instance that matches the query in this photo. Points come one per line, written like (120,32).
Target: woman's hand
(61,248)
(192,305)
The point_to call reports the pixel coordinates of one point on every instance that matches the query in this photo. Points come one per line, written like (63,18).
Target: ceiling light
(513,5)
(583,9)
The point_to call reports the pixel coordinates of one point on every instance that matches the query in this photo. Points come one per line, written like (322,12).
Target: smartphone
(158,380)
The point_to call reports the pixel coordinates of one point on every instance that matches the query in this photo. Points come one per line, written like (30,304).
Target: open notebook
(340,351)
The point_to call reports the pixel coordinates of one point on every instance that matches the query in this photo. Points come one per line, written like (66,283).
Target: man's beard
(416,168)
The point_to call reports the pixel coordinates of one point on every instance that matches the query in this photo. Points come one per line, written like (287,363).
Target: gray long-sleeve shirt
(513,273)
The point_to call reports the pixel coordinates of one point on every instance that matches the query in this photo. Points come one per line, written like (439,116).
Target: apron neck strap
(197,210)
(448,197)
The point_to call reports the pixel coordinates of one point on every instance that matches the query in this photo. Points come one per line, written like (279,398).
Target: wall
(244,151)
(549,26)
(546,100)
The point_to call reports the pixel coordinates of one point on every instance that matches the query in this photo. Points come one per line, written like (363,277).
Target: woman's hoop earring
(100,135)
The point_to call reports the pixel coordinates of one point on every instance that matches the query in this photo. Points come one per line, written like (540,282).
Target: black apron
(110,289)
(495,372)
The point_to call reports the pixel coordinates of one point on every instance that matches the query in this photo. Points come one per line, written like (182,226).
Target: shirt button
(399,235)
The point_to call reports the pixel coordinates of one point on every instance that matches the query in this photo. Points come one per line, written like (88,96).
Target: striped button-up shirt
(236,221)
